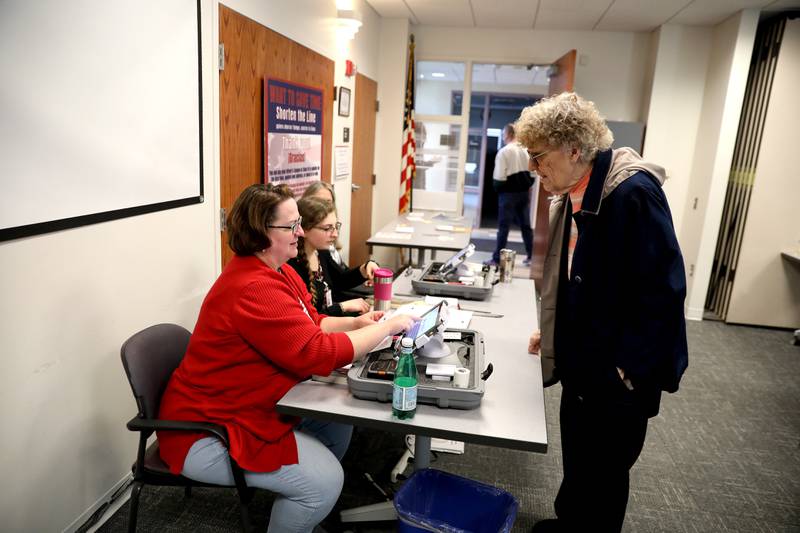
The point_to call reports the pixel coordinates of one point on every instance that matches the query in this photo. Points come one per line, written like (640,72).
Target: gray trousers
(306,491)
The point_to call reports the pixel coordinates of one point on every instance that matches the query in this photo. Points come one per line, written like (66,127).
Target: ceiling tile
(587,15)
(570,14)
(442,12)
(712,12)
(639,15)
(391,9)
(512,13)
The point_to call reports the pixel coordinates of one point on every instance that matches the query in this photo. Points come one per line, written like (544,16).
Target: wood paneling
(363,166)
(252,53)
(562,81)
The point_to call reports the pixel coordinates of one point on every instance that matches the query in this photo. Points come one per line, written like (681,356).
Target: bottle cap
(407,342)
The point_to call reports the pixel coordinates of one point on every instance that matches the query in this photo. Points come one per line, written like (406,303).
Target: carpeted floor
(723,455)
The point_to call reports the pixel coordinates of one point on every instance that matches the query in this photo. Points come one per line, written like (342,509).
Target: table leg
(421,258)
(422,452)
(385,510)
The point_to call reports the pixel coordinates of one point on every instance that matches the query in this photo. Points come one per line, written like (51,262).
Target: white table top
(511,414)
(425,234)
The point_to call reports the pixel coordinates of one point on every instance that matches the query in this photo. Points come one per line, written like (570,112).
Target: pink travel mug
(382,280)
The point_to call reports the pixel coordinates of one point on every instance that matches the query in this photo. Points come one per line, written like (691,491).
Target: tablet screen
(428,322)
(452,263)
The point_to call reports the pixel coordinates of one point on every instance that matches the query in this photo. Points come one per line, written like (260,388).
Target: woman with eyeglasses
(256,337)
(612,296)
(324,279)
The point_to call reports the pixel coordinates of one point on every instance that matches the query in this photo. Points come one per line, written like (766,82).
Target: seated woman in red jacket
(325,279)
(256,337)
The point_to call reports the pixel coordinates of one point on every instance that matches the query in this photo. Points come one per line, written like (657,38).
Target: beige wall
(729,62)
(766,290)
(675,105)
(392,63)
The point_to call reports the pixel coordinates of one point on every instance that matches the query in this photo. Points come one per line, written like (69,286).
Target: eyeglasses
(292,226)
(535,158)
(330,228)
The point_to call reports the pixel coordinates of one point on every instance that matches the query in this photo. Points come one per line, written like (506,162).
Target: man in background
(512,180)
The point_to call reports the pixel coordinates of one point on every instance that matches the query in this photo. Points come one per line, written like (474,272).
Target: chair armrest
(150,424)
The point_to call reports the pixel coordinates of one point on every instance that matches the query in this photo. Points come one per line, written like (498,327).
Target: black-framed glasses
(292,226)
(330,228)
(536,158)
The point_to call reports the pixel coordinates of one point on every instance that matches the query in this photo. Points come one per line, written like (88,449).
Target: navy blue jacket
(622,304)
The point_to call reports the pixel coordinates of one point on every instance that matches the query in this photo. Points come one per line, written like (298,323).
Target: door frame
(466,102)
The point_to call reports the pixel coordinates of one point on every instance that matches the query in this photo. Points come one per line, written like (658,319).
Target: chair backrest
(149,358)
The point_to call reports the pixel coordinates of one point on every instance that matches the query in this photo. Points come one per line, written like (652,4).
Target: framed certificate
(344,102)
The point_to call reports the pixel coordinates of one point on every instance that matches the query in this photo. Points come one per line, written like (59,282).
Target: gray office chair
(149,357)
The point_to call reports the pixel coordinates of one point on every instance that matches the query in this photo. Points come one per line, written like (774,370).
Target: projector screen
(100,108)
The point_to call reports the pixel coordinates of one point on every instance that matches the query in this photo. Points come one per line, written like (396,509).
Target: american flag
(408,166)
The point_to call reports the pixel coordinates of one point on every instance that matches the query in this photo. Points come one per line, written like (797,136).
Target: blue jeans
(306,491)
(516,207)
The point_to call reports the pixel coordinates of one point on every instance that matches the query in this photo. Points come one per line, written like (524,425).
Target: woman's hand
(366,338)
(357,305)
(368,270)
(535,342)
(400,323)
(367,319)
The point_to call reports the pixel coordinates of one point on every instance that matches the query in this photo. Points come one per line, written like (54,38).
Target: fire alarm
(349,68)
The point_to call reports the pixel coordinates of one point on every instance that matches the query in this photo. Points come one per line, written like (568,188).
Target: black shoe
(548,525)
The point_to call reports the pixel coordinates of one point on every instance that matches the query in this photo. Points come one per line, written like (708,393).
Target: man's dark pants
(600,442)
(513,207)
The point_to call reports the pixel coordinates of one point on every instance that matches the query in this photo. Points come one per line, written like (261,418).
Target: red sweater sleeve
(272,318)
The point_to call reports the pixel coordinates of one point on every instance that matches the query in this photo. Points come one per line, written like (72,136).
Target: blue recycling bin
(432,500)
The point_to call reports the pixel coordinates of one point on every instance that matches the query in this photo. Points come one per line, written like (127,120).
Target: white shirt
(511,158)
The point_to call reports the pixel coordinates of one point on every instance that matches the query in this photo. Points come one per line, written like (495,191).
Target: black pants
(513,207)
(600,442)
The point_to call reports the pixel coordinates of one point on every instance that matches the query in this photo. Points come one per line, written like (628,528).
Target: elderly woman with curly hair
(613,329)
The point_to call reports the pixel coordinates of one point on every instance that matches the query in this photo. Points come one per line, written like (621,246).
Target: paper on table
(438,369)
(452,303)
(404,229)
(393,235)
(385,343)
(451,228)
(442,216)
(458,319)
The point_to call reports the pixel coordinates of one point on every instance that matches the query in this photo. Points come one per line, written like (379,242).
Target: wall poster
(293,140)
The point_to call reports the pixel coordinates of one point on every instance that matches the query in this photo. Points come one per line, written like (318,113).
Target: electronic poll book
(454,278)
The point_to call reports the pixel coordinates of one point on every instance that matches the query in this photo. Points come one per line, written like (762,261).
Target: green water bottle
(404,393)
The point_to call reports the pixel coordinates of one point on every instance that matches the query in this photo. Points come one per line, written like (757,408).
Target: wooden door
(252,53)
(561,82)
(363,159)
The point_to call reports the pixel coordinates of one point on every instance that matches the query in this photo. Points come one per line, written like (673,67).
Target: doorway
(489,112)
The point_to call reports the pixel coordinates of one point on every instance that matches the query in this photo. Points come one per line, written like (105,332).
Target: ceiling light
(348,22)
(438,74)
